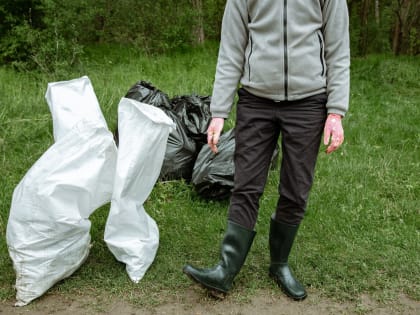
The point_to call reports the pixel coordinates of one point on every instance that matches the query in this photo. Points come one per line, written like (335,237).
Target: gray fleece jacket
(283,50)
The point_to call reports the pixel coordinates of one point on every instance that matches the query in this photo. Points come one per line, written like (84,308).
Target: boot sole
(214,292)
(296,298)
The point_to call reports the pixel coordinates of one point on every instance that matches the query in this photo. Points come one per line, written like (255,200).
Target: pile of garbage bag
(187,156)
(191,115)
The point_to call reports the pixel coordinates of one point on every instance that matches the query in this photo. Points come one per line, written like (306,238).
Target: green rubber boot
(234,249)
(281,240)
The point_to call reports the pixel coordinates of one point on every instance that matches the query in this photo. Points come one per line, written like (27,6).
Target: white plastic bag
(130,233)
(71,101)
(48,231)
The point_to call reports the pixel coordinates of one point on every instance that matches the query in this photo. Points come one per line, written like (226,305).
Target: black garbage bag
(192,116)
(212,175)
(181,153)
(145,92)
(194,112)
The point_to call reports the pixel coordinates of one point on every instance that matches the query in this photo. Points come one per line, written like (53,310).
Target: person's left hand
(333,133)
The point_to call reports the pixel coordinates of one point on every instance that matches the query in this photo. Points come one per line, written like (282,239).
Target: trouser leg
(302,124)
(256,135)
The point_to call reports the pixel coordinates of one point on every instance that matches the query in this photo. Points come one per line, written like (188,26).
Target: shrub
(50,46)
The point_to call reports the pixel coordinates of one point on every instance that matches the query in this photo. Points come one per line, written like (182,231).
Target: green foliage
(374,35)
(51,49)
(49,35)
(383,26)
(414,41)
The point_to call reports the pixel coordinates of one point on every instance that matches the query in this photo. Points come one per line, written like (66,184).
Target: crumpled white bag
(48,231)
(71,101)
(130,233)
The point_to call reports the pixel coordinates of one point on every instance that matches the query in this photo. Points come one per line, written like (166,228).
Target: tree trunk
(377,19)
(199,22)
(402,25)
(364,29)
(396,39)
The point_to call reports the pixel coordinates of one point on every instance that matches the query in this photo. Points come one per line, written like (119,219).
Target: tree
(199,23)
(364,27)
(406,18)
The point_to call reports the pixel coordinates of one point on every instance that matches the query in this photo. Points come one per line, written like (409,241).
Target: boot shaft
(282,236)
(235,247)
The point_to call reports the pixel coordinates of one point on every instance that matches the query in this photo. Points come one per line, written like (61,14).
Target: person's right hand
(213,132)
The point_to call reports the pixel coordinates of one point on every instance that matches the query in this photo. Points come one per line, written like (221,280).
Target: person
(290,60)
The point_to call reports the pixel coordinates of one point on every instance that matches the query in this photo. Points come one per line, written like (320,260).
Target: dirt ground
(196,302)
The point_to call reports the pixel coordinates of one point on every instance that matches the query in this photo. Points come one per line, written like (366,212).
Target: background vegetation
(50,35)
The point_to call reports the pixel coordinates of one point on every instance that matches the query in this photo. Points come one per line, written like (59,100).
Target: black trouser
(259,122)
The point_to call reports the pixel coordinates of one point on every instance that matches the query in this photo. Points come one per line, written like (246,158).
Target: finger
(212,140)
(213,145)
(214,149)
(331,148)
(210,134)
(327,135)
(209,137)
(215,142)
(335,144)
(216,137)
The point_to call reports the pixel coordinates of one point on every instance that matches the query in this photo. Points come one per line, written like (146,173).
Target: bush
(51,46)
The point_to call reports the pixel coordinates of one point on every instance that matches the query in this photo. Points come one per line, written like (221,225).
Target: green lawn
(361,231)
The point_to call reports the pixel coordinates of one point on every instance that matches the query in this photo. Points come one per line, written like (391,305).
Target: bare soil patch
(195,302)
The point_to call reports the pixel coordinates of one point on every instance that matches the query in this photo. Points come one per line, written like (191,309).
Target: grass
(361,231)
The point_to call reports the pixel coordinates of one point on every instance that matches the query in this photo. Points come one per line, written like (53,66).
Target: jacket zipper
(321,54)
(249,63)
(250,53)
(285,50)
